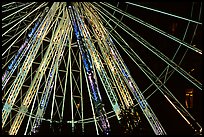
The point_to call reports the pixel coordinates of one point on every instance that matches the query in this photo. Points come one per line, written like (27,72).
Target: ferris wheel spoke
(153,121)
(101,71)
(6,10)
(170,73)
(92,107)
(167,68)
(13,36)
(160,86)
(55,65)
(19,34)
(164,90)
(166,74)
(147,111)
(113,12)
(5,94)
(31,113)
(45,97)
(8,4)
(89,71)
(15,62)
(165,13)
(43,4)
(67,66)
(74,94)
(43,101)
(18,11)
(12,118)
(65,90)
(15,87)
(153,28)
(13,21)
(13,131)
(33,63)
(194,33)
(120,19)
(7,57)
(155,51)
(19,16)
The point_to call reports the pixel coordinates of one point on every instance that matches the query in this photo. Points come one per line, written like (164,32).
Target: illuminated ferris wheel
(93,67)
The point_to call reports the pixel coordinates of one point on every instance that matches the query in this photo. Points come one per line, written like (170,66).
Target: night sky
(170,119)
(172,122)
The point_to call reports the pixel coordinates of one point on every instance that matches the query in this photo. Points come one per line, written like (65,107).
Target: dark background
(177,84)
(172,122)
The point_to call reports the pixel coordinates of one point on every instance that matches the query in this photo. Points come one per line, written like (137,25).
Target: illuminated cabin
(189,98)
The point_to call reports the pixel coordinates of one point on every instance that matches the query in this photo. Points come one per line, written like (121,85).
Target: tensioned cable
(194,33)
(43,4)
(162,12)
(152,27)
(8,4)
(152,49)
(113,13)
(18,11)
(161,75)
(14,8)
(120,19)
(163,90)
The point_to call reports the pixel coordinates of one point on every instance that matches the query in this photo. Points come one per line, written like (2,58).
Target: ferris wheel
(99,68)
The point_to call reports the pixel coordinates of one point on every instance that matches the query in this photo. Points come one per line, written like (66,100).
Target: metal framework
(66,54)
